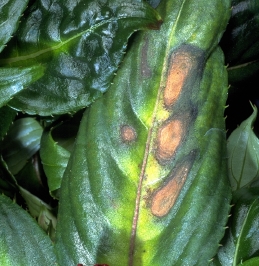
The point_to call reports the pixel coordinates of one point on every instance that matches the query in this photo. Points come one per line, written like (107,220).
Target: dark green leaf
(7,116)
(243,72)
(81,43)
(10,13)
(32,178)
(14,80)
(22,141)
(22,242)
(240,42)
(243,154)
(251,262)
(41,210)
(8,185)
(242,241)
(54,159)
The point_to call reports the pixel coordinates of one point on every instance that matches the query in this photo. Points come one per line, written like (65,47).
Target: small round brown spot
(128,134)
(181,64)
(165,198)
(169,138)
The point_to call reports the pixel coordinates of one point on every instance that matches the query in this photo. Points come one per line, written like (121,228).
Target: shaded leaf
(14,80)
(243,72)
(241,243)
(8,185)
(7,116)
(22,141)
(32,178)
(54,159)
(41,210)
(146,183)
(243,154)
(80,43)
(240,42)
(22,242)
(10,13)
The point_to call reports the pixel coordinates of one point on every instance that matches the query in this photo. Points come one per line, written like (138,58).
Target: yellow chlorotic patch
(129,167)
(164,198)
(168,139)
(153,169)
(181,64)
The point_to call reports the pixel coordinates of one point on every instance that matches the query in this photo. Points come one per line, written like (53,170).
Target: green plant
(115,142)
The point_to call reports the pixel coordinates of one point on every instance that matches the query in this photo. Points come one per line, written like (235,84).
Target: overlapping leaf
(10,13)
(22,141)
(125,197)
(54,159)
(22,242)
(243,154)
(14,80)
(241,243)
(7,115)
(240,41)
(81,44)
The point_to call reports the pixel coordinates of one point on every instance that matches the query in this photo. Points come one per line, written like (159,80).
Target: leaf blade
(243,156)
(76,43)
(116,169)
(15,80)
(10,13)
(241,242)
(17,238)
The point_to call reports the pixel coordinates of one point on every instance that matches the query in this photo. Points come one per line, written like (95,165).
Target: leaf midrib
(148,142)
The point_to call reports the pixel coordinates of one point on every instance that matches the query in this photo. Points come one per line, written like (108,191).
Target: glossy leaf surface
(81,43)
(146,183)
(251,262)
(22,141)
(242,241)
(22,242)
(10,13)
(243,154)
(14,80)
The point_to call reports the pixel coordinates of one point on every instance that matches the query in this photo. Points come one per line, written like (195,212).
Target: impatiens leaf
(22,241)
(54,159)
(7,116)
(41,210)
(10,13)
(243,154)
(146,183)
(241,39)
(22,141)
(252,262)
(241,243)
(14,80)
(81,43)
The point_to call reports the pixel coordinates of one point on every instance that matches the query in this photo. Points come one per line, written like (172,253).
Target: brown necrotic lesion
(168,139)
(180,64)
(128,134)
(165,197)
